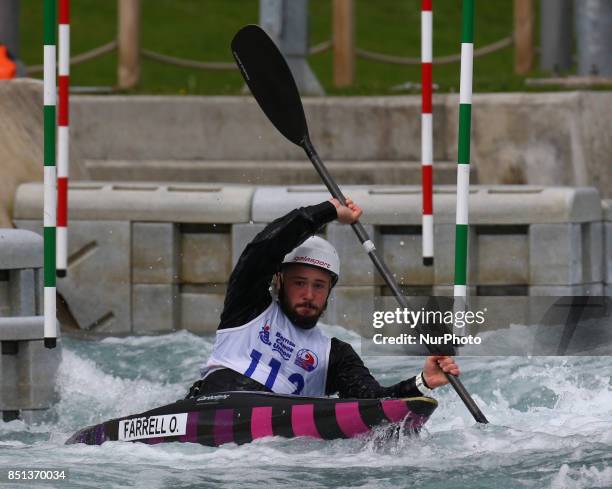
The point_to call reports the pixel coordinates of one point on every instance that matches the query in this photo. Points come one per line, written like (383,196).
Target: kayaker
(267,339)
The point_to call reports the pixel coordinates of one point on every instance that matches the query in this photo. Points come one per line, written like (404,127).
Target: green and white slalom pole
(463,159)
(49,100)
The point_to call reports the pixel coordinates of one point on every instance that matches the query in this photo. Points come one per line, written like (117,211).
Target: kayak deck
(241,417)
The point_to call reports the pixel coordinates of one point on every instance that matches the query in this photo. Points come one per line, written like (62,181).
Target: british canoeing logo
(264,334)
(306,359)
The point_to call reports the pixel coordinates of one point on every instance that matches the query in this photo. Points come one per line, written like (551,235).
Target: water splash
(551,426)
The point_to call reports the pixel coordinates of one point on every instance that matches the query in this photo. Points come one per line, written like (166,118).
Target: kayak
(242,416)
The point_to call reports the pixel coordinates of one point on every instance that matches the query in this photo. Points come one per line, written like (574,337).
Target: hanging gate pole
(49,221)
(427,131)
(63,134)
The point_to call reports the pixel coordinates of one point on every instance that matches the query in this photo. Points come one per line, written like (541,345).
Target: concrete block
(201,308)
(488,204)
(356,268)
(155,253)
(502,290)
(408,290)
(28,376)
(23,292)
(155,308)
(269,172)
(352,307)
(40,285)
(401,249)
(592,252)
(5,299)
(503,256)
(97,285)
(401,205)
(205,254)
(20,328)
(20,248)
(338,124)
(242,235)
(608,253)
(176,127)
(566,290)
(139,201)
(555,254)
(270,203)
(448,290)
(514,140)
(21,137)
(33,416)
(607,248)
(444,254)
(606,207)
(214,128)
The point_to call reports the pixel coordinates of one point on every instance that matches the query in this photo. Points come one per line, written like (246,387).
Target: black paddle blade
(268,76)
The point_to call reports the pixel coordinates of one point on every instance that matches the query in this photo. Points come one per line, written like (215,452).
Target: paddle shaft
(381,266)
(268,76)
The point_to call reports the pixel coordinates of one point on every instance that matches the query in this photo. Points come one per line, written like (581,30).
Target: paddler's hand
(349,213)
(435,366)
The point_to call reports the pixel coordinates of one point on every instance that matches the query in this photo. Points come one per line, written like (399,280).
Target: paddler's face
(305,290)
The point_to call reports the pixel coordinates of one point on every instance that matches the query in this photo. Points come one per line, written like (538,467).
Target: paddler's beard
(299,320)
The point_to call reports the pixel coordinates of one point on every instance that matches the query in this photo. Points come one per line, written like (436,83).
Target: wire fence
(314,50)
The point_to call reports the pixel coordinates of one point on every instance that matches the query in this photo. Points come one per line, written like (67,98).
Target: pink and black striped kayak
(241,417)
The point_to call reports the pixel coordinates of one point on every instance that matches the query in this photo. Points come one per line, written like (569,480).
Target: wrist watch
(420,383)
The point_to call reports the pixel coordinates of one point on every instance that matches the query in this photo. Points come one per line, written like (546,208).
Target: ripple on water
(551,426)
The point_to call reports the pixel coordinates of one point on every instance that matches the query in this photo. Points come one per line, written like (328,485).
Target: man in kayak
(269,342)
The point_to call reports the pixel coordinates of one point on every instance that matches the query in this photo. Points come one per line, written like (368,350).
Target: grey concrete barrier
(401,204)
(21,328)
(21,141)
(235,128)
(525,240)
(607,208)
(133,271)
(137,201)
(21,255)
(145,258)
(27,368)
(269,172)
(551,139)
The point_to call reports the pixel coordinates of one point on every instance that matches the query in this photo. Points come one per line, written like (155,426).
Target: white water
(551,427)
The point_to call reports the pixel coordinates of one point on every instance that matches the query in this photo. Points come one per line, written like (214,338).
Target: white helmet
(316,252)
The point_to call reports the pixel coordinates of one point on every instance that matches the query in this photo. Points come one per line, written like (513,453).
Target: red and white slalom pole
(63,137)
(427,130)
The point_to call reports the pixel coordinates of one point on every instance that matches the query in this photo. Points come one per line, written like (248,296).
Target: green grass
(202,30)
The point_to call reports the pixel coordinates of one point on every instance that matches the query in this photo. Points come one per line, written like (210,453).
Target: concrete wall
(21,141)
(156,257)
(235,128)
(27,368)
(543,138)
(145,258)
(607,209)
(546,139)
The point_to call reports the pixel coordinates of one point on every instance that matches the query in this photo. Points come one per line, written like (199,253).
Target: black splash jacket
(248,296)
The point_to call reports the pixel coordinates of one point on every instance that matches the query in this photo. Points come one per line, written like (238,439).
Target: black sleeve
(247,293)
(349,377)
